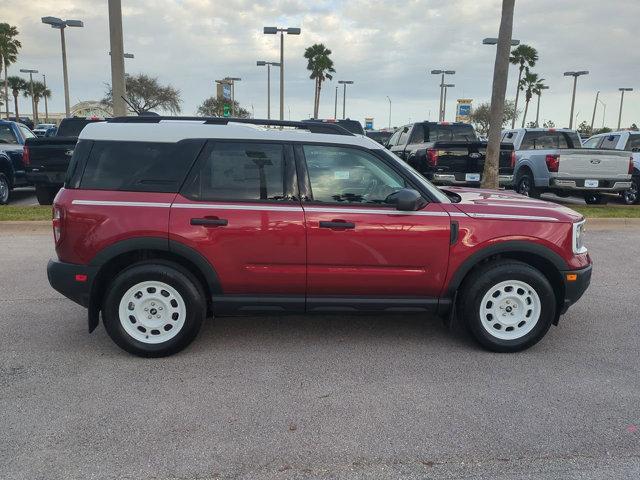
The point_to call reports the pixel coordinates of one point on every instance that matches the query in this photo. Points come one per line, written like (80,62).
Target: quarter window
(349,175)
(239,171)
(633,144)
(592,142)
(610,142)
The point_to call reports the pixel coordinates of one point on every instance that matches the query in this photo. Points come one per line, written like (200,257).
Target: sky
(387,48)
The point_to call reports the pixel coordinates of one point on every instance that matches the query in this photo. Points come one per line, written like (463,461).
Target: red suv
(165,221)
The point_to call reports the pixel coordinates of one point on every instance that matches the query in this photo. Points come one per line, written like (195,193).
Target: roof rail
(313,127)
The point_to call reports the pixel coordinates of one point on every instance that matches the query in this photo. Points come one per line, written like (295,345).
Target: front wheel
(507,305)
(154,309)
(526,186)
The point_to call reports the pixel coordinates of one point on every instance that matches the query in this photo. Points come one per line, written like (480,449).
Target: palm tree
(525,57)
(8,54)
(17,85)
(321,68)
(532,85)
(39,91)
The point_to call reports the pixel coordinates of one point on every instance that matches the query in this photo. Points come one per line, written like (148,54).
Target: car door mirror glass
(406,200)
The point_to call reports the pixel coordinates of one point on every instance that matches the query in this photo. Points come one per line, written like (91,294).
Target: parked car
(380,136)
(448,153)
(12,171)
(353,126)
(48,157)
(629,141)
(163,222)
(553,160)
(41,129)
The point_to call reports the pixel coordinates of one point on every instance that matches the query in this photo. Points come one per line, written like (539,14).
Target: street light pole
(335,105)
(389,110)
(442,73)
(34,114)
(46,106)
(275,31)
(593,117)
(344,95)
(262,63)
(60,24)
(444,101)
(575,76)
(622,90)
(538,107)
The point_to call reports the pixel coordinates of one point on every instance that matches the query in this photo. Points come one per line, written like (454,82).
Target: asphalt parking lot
(344,397)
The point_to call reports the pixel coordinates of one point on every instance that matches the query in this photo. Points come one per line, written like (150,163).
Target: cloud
(386,48)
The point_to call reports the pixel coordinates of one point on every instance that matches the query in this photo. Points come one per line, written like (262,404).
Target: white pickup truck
(553,160)
(629,141)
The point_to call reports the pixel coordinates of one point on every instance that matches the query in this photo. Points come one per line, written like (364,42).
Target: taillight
(57,223)
(513,159)
(631,165)
(26,156)
(553,162)
(432,157)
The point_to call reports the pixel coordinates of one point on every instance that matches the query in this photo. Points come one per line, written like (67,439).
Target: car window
(592,142)
(349,175)
(508,137)
(456,133)
(7,135)
(394,138)
(138,166)
(239,171)
(26,132)
(404,136)
(609,142)
(545,140)
(417,136)
(633,142)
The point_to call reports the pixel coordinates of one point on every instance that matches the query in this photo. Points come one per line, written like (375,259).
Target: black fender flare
(510,246)
(146,243)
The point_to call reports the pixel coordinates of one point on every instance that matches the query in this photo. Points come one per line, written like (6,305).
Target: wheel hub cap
(510,309)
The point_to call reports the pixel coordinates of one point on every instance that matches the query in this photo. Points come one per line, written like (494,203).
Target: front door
(239,208)
(363,253)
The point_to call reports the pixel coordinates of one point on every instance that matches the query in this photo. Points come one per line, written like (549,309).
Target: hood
(511,205)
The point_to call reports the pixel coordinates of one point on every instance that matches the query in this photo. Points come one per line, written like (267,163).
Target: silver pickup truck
(553,160)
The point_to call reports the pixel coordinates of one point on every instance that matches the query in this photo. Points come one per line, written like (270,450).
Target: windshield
(430,187)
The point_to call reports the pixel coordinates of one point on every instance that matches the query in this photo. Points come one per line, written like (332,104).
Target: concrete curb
(595,224)
(23,226)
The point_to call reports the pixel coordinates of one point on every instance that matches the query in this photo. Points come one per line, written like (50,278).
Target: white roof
(172,131)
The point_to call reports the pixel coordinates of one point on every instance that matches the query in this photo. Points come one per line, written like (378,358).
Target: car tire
(526,186)
(5,189)
(595,198)
(45,195)
(507,305)
(154,308)
(632,195)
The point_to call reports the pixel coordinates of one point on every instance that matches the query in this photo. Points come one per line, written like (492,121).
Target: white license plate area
(472,177)
(591,183)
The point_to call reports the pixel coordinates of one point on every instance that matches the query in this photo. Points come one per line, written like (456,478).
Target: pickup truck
(628,141)
(12,171)
(47,158)
(448,153)
(553,160)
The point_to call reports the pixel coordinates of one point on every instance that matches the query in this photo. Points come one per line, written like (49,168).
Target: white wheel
(509,310)
(152,312)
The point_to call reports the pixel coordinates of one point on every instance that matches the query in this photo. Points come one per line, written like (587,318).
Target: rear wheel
(507,305)
(154,309)
(5,189)
(45,195)
(526,186)
(632,195)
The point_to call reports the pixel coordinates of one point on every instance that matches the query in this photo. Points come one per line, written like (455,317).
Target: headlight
(578,238)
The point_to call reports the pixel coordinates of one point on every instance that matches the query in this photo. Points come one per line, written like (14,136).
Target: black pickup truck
(449,153)
(48,157)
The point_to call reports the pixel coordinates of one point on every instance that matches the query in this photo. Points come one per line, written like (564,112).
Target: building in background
(368,123)
(463,110)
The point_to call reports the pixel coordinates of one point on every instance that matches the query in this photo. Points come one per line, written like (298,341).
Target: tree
(602,130)
(498,91)
(549,124)
(9,46)
(525,57)
(214,107)
(17,85)
(633,127)
(481,116)
(532,85)
(584,128)
(144,94)
(321,68)
(39,91)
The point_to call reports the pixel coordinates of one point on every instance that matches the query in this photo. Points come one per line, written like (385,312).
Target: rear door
(239,208)
(362,253)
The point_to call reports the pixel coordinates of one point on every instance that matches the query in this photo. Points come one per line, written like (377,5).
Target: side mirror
(406,200)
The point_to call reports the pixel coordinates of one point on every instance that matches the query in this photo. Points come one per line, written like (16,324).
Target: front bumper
(576,283)
(71,280)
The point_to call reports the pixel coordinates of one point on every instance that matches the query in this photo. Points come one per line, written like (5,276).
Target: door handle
(210,222)
(337,224)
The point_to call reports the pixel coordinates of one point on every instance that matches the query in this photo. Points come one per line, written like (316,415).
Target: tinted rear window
(139,166)
(72,127)
(453,133)
(550,140)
